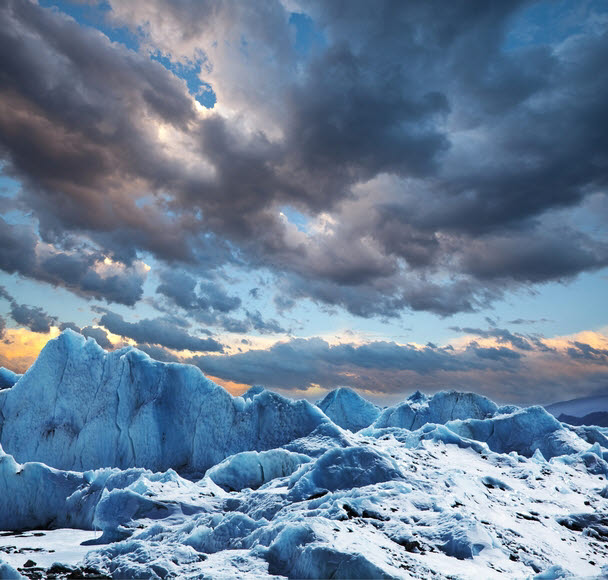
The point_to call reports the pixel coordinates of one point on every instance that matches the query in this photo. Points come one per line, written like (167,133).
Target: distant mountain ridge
(579,407)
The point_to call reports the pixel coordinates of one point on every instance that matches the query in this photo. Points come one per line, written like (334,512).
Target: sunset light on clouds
(304,195)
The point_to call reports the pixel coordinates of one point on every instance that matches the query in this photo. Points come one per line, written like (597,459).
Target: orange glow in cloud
(21,346)
(233,388)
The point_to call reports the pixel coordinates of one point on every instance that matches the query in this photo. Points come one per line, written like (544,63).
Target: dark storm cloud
(158,353)
(300,363)
(439,147)
(76,270)
(158,331)
(2,326)
(100,336)
(209,303)
(534,257)
(33,317)
(200,299)
(72,127)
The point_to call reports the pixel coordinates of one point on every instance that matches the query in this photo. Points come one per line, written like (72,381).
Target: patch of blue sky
(571,306)
(190,72)
(96,16)
(549,22)
(9,190)
(308,38)
(297,218)
(63,304)
(9,187)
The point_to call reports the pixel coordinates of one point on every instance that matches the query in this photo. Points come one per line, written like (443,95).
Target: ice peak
(348,409)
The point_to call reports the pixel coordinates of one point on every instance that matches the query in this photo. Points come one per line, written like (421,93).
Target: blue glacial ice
(448,485)
(348,409)
(79,407)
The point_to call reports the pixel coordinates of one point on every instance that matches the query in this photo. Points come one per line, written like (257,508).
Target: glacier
(151,414)
(8,378)
(348,409)
(154,471)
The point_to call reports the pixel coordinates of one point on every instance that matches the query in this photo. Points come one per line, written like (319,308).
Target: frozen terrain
(114,465)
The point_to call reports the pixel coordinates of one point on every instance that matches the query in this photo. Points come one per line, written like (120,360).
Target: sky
(389,196)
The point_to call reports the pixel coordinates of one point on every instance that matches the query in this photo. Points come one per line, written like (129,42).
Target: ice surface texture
(449,485)
(348,409)
(8,378)
(79,407)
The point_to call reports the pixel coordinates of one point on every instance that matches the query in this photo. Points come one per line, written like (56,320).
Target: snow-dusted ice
(129,468)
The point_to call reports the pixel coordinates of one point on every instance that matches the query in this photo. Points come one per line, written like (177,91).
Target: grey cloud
(2,327)
(388,368)
(583,351)
(69,325)
(299,363)
(395,92)
(255,320)
(75,270)
(209,302)
(502,335)
(33,317)
(158,331)
(496,353)
(100,336)
(200,299)
(158,353)
(72,129)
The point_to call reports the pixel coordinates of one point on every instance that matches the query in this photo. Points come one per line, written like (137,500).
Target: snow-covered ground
(449,486)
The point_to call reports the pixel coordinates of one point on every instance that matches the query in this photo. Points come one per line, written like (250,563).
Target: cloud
(82,270)
(528,321)
(502,335)
(580,350)
(33,317)
(201,299)
(158,353)
(568,368)
(2,327)
(158,331)
(495,353)
(209,303)
(299,363)
(424,146)
(100,336)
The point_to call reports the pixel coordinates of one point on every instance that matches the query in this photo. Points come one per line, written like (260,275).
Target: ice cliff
(8,378)
(79,407)
(448,485)
(348,409)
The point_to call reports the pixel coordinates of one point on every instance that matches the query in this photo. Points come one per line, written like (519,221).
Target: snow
(348,409)
(96,447)
(253,469)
